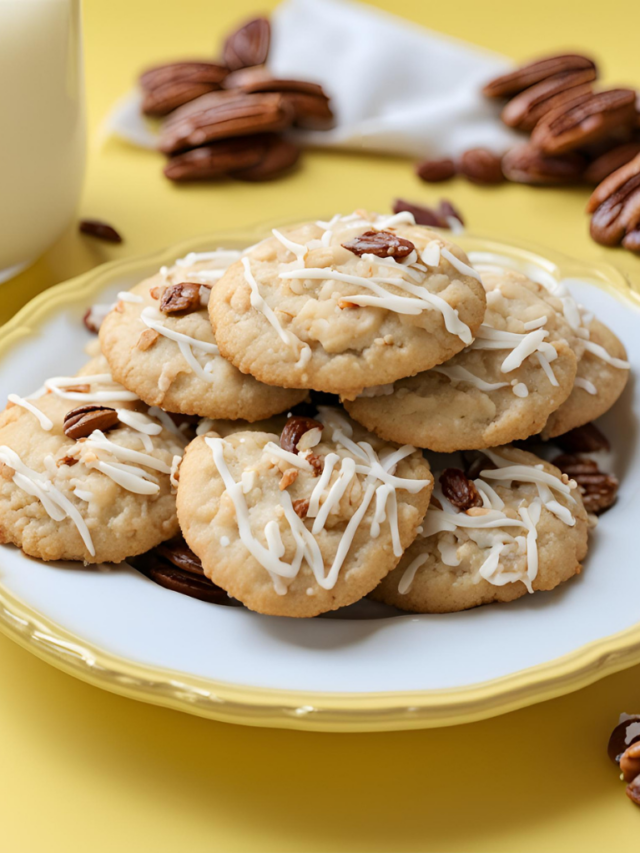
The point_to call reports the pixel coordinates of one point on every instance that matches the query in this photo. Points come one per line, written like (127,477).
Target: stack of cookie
(281,405)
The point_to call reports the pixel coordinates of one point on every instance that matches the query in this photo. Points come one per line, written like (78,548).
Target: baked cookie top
(518,526)
(159,343)
(303,522)
(342,305)
(86,471)
(602,374)
(503,387)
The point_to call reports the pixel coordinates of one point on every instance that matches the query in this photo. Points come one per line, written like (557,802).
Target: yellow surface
(86,770)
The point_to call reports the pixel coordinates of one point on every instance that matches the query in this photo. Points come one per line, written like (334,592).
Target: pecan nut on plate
(167,87)
(508,85)
(526,109)
(526,164)
(585,120)
(221,115)
(615,207)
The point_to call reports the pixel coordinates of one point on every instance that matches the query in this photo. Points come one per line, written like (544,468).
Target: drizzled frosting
(494,531)
(379,482)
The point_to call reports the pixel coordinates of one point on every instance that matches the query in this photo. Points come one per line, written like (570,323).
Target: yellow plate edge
(270,707)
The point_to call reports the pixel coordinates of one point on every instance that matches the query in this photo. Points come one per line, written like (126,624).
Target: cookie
(520,368)
(304,522)
(602,375)
(338,306)
(159,343)
(86,472)
(518,527)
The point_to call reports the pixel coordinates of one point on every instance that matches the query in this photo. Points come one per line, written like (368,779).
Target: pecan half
(526,109)
(516,81)
(382,244)
(584,120)
(218,159)
(630,762)
(310,104)
(622,737)
(422,214)
(294,429)
(279,156)
(81,422)
(526,164)
(181,298)
(610,161)
(248,45)
(481,166)
(178,580)
(631,240)
(633,791)
(458,489)
(220,115)
(168,87)
(177,551)
(435,171)
(99,229)
(615,205)
(598,489)
(583,439)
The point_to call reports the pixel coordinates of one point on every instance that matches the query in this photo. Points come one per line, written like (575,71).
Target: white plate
(367,667)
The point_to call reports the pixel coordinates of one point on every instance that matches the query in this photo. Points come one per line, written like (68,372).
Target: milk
(42,135)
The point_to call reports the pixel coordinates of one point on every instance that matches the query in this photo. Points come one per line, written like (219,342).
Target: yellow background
(85,770)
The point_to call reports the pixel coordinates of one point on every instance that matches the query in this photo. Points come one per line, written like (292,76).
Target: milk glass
(42,132)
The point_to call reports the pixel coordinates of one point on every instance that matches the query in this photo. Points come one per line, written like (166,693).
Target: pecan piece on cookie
(168,87)
(293,431)
(459,490)
(481,166)
(383,244)
(181,298)
(221,115)
(517,81)
(598,489)
(81,421)
(279,155)
(615,205)
(526,109)
(248,45)
(218,159)
(610,161)
(586,119)
(526,164)
(435,171)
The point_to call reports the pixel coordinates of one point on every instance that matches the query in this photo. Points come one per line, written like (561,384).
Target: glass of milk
(42,129)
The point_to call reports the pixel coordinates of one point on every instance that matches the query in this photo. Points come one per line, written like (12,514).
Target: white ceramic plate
(367,667)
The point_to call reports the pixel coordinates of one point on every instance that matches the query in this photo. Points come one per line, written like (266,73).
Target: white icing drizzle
(587,386)
(186,344)
(536,324)
(521,346)
(126,296)
(116,393)
(369,463)
(45,422)
(463,268)
(410,572)
(259,304)
(55,504)
(600,352)
(460,374)
(430,255)
(544,364)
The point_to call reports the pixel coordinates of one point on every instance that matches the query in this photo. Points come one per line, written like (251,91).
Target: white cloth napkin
(395,87)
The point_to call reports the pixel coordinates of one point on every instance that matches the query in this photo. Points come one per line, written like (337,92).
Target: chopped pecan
(294,429)
(481,166)
(181,298)
(90,321)
(82,421)
(584,120)
(220,115)
(101,230)
(279,156)
(516,81)
(526,164)
(458,489)
(583,439)
(316,462)
(177,551)
(615,205)
(301,507)
(248,45)
(147,339)
(598,489)
(383,244)
(435,171)
(168,87)
(526,109)
(610,161)
(289,477)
